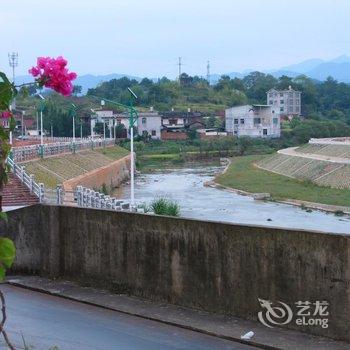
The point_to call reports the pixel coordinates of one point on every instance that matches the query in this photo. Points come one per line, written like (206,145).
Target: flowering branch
(52,73)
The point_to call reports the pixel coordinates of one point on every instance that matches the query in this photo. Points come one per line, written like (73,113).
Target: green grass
(243,175)
(69,166)
(41,176)
(153,162)
(164,206)
(114,152)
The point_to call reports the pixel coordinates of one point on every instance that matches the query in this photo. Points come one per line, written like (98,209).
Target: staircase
(16,193)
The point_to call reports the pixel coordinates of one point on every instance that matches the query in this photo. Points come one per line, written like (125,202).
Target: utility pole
(208,72)
(13,62)
(180,64)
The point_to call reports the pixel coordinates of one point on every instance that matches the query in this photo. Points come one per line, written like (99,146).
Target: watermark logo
(306,313)
(274,313)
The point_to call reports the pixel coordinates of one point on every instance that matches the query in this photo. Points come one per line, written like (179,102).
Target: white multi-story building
(103,116)
(285,102)
(149,124)
(253,121)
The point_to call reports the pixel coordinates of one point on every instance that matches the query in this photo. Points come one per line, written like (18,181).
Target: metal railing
(24,153)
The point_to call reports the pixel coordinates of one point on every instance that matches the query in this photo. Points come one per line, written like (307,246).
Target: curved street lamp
(132,120)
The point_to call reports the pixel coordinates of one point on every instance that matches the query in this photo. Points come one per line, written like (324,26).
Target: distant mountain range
(338,68)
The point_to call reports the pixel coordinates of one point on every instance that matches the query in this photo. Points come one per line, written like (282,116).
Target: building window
(235,132)
(270,94)
(242,120)
(275,121)
(281,102)
(282,109)
(271,102)
(264,131)
(257,121)
(235,121)
(144,120)
(154,133)
(281,94)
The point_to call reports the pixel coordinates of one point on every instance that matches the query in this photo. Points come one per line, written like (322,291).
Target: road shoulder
(225,327)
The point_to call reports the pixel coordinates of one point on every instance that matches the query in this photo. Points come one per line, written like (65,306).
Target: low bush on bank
(164,206)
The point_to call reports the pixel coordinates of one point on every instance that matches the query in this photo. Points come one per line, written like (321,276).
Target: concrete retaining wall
(217,267)
(112,175)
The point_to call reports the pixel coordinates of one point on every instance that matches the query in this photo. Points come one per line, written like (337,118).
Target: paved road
(46,321)
(292,151)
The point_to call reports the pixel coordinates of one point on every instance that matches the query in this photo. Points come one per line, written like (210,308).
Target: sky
(146,37)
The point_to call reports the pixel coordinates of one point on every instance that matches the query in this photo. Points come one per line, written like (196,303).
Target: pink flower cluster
(5,115)
(52,73)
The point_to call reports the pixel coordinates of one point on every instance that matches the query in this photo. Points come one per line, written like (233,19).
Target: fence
(81,196)
(24,153)
(88,198)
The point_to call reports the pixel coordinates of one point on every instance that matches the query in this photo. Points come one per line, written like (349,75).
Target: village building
(253,120)
(149,124)
(287,103)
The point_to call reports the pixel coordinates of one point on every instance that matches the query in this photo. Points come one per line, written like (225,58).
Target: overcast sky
(146,37)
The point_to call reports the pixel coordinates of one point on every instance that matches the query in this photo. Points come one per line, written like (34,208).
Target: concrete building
(253,121)
(285,102)
(149,124)
(103,116)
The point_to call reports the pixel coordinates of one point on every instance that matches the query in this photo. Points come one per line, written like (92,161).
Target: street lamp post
(104,124)
(22,121)
(132,170)
(73,112)
(41,106)
(132,119)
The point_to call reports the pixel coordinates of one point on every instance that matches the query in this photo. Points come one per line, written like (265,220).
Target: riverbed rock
(261,196)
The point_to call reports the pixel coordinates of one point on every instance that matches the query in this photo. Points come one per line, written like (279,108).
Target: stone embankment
(111,176)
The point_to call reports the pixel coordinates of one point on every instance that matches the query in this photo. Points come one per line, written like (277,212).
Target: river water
(186,186)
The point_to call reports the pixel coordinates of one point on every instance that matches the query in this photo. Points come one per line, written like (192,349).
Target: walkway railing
(88,198)
(24,153)
(81,196)
(28,180)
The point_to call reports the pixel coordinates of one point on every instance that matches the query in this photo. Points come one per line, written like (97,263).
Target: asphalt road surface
(47,321)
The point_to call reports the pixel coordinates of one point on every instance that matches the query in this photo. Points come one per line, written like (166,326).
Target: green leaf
(7,252)
(2,272)
(3,216)
(7,92)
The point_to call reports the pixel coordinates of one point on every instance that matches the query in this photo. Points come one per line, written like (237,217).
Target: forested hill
(329,99)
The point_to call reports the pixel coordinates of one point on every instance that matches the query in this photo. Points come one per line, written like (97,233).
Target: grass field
(52,171)
(243,175)
(113,153)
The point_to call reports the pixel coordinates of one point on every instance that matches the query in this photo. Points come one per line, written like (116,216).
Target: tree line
(328,99)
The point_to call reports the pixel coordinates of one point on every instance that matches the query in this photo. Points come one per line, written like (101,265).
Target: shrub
(164,206)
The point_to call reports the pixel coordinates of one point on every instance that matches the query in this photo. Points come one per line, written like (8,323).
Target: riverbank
(244,178)
(58,169)
(185,185)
